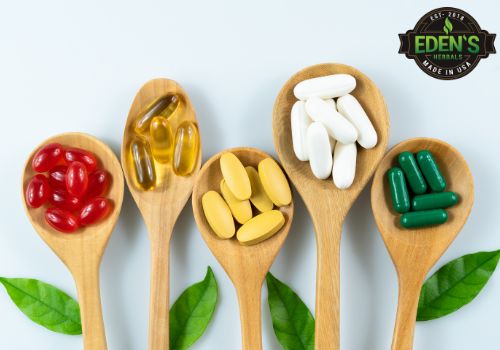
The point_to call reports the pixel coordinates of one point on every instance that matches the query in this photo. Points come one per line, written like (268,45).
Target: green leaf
(448,26)
(45,304)
(456,284)
(293,323)
(192,312)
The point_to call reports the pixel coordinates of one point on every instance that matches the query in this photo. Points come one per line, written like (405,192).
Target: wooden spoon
(82,251)
(246,266)
(161,206)
(415,251)
(327,205)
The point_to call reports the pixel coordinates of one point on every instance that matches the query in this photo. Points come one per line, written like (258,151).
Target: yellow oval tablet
(260,227)
(218,215)
(242,210)
(259,197)
(274,182)
(236,176)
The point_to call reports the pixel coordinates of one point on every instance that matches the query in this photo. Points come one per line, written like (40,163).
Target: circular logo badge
(447,43)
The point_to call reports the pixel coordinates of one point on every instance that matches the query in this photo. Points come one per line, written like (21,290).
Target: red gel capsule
(99,181)
(63,200)
(77,179)
(47,157)
(61,220)
(81,155)
(37,191)
(57,177)
(95,210)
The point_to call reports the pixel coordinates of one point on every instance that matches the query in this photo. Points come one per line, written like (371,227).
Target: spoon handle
(249,299)
(409,294)
(328,233)
(87,284)
(159,303)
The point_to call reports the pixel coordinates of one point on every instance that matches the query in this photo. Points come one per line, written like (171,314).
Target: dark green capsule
(424,218)
(399,191)
(413,174)
(439,200)
(431,172)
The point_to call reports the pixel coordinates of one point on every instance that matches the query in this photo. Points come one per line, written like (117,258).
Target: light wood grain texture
(327,205)
(82,251)
(415,251)
(161,206)
(246,266)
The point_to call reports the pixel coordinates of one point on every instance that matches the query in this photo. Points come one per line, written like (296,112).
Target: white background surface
(76,67)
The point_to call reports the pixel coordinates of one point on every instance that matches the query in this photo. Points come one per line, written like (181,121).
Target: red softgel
(99,181)
(64,200)
(57,177)
(61,220)
(81,155)
(77,179)
(94,211)
(47,157)
(38,191)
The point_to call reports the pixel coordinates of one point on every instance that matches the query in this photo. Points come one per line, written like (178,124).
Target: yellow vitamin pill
(186,149)
(162,139)
(218,215)
(274,182)
(242,210)
(142,160)
(260,227)
(236,176)
(164,106)
(259,197)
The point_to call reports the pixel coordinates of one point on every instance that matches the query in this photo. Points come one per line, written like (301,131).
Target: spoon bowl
(246,266)
(161,206)
(82,251)
(328,205)
(415,251)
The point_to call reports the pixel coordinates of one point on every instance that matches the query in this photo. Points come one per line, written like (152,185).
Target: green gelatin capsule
(431,172)
(413,174)
(439,200)
(399,191)
(424,218)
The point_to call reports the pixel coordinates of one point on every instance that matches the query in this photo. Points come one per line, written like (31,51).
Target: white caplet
(329,86)
(332,144)
(300,123)
(318,146)
(336,125)
(344,165)
(350,108)
(332,103)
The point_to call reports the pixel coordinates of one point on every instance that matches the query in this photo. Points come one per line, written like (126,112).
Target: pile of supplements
(425,202)
(162,139)
(241,187)
(328,119)
(70,181)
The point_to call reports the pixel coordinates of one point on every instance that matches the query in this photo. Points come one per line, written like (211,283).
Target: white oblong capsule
(350,108)
(318,145)
(332,144)
(329,86)
(331,103)
(335,124)
(344,165)
(300,123)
